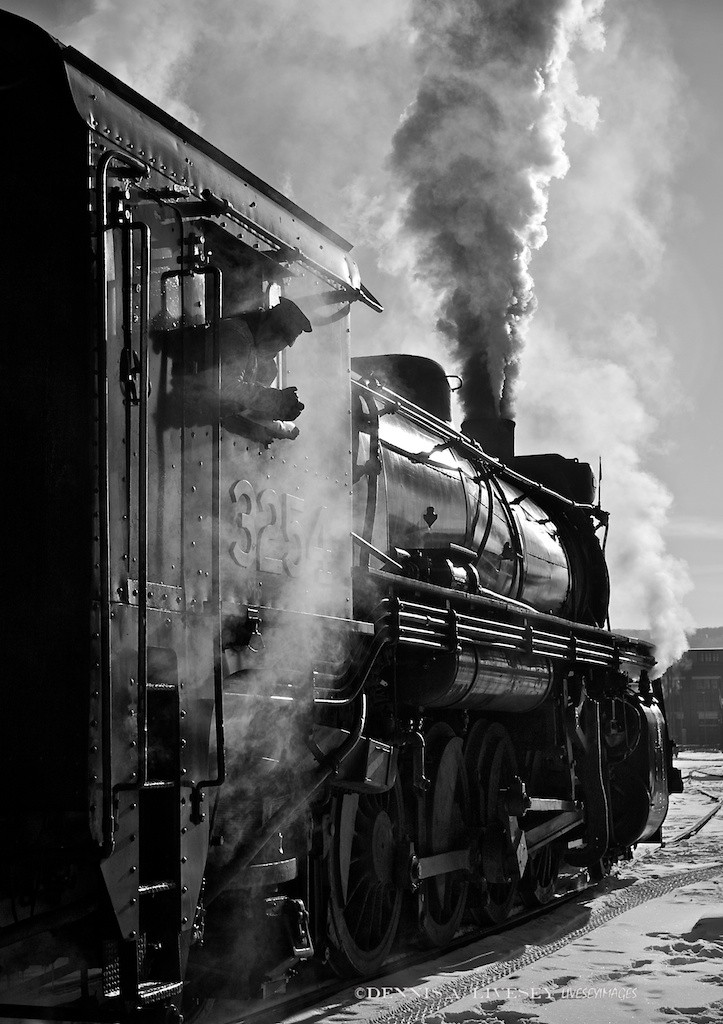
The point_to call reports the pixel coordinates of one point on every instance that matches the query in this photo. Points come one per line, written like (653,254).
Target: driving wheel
(443,897)
(365,902)
(493,767)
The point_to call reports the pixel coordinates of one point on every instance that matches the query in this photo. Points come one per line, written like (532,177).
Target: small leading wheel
(537,886)
(364,901)
(493,768)
(443,897)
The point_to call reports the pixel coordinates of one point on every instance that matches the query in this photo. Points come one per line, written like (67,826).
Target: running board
(490,621)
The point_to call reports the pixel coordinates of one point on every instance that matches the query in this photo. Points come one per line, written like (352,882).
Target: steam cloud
(596,371)
(478,149)
(145,45)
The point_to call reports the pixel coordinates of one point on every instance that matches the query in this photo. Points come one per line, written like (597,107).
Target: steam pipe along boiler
(295,672)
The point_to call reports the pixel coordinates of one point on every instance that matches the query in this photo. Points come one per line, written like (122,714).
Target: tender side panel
(48,466)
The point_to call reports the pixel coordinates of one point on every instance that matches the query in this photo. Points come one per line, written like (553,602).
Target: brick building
(693,689)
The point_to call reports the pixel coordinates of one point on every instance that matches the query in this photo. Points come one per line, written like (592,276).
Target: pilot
(249,345)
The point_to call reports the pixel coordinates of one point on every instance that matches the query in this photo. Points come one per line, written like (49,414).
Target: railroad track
(410,1010)
(321,990)
(688,833)
(691,830)
(469,983)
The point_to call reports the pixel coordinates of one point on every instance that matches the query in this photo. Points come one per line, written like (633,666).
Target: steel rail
(320,991)
(316,992)
(688,833)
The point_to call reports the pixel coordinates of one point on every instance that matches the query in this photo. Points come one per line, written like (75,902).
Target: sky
(690,313)
(615,346)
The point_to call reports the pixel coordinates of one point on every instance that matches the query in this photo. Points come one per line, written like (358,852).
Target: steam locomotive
(274,699)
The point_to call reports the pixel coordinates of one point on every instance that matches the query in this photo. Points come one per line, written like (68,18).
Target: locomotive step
(159,784)
(158,991)
(150,992)
(156,888)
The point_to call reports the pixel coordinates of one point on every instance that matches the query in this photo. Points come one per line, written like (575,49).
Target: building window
(706,657)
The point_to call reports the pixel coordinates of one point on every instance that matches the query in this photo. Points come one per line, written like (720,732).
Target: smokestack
(494,435)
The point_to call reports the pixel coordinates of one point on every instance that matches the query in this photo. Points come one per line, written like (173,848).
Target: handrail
(145,233)
(222,207)
(139,399)
(490,600)
(197,795)
(105,688)
(563,639)
(211,205)
(356,677)
(105,695)
(470,447)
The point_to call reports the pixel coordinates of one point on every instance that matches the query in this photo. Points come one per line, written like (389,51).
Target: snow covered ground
(647,945)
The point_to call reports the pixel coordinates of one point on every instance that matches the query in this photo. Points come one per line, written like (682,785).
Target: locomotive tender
(273,699)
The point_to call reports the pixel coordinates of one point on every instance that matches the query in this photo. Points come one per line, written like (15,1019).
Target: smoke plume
(477,150)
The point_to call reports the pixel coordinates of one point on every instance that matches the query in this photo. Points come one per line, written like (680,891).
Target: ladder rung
(155,888)
(161,686)
(158,784)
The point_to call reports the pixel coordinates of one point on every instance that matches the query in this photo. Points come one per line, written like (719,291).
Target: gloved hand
(289,404)
(265,403)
